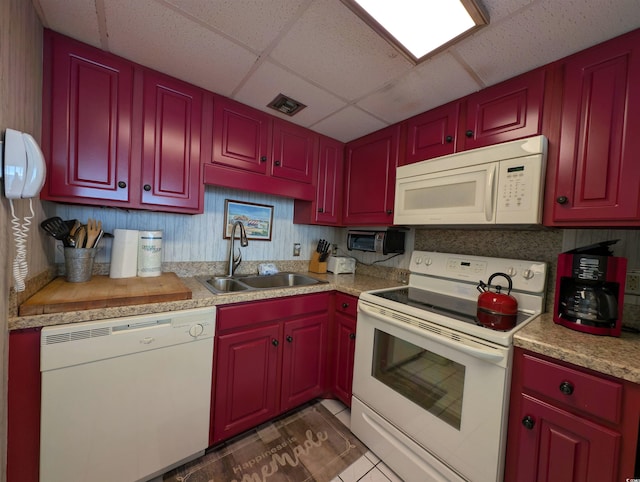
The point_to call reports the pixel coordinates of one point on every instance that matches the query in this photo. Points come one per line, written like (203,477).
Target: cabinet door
(304,359)
(329,185)
(246,392)
(240,136)
(505,112)
(432,134)
(23,406)
(294,152)
(556,445)
(344,346)
(370,176)
(88,95)
(598,172)
(171,144)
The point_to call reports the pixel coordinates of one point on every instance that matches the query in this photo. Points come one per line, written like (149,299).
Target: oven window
(433,382)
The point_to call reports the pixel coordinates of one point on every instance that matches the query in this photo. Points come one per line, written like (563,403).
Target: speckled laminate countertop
(352,284)
(618,357)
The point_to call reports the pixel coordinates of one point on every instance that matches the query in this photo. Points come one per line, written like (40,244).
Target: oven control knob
(419,260)
(428,262)
(527,274)
(196,330)
(512,271)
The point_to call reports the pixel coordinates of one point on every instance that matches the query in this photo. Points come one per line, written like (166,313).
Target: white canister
(149,253)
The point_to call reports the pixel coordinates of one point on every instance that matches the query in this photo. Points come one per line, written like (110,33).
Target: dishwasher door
(122,400)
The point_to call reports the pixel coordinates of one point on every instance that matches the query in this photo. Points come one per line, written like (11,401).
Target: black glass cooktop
(451,306)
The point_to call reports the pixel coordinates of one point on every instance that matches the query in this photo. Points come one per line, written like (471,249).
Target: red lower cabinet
(570,424)
(23,406)
(270,357)
(343,345)
(246,380)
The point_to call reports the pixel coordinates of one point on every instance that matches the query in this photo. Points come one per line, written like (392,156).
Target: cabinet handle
(469,133)
(122,184)
(352,336)
(528,422)
(389,212)
(320,210)
(566,388)
(345,305)
(263,158)
(277,163)
(448,139)
(274,342)
(289,338)
(562,199)
(147,187)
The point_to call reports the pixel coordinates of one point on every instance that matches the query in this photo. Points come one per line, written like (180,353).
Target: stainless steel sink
(225,284)
(280,280)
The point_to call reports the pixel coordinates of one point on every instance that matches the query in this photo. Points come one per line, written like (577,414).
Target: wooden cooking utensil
(93,231)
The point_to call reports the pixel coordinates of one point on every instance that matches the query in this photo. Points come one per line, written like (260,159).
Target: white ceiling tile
(320,53)
(335,49)
(433,83)
(499,9)
(74,18)
(255,23)
(348,124)
(168,42)
(546,31)
(270,80)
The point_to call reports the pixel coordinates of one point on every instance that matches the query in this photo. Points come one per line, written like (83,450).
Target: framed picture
(257,219)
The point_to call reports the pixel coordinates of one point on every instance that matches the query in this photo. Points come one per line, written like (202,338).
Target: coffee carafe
(590,290)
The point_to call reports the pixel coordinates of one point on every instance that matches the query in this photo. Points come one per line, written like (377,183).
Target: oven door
(445,391)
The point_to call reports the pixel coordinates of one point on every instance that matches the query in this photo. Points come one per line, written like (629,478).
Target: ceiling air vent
(286,105)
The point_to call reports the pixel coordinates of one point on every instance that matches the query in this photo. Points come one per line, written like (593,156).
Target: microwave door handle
(489,192)
(490,355)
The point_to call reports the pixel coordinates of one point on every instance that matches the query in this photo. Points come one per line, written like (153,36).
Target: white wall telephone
(24,171)
(24,166)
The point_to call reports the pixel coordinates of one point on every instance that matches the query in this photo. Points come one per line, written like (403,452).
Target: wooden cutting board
(104,292)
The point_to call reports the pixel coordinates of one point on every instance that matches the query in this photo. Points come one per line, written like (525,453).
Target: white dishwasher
(125,399)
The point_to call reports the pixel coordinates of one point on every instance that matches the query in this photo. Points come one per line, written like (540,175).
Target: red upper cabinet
(432,133)
(597,172)
(87,108)
(370,175)
(117,134)
(326,209)
(257,152)
(241,136)
(171,144)
(294,151)
(505,112)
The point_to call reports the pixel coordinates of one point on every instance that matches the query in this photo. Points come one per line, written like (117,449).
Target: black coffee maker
(590,289)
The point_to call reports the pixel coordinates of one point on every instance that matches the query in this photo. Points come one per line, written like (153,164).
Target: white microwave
(500,184)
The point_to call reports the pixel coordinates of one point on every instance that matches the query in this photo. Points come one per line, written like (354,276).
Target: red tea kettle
(497,310)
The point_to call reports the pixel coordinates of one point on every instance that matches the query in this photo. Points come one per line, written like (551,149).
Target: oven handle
(475,352)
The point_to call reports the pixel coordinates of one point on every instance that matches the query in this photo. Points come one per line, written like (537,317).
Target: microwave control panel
(519,190)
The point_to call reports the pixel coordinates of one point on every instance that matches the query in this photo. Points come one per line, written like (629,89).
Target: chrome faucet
(234,261)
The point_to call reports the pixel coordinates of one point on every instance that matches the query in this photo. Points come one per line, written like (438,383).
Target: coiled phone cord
(20,233)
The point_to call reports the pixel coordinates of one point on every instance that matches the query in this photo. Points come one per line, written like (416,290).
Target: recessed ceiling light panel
(420,28)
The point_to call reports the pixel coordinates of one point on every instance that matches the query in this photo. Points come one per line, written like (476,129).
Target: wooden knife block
(315,266)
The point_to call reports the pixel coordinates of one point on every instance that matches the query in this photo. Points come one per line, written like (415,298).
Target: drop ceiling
(318,52)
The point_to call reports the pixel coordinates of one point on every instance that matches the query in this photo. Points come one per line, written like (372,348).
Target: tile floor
(368,468)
